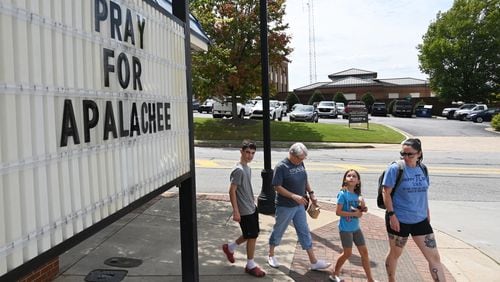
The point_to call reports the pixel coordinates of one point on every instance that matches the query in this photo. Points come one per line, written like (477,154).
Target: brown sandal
(256,271)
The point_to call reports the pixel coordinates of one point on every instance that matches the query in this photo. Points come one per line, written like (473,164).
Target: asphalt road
(463,162)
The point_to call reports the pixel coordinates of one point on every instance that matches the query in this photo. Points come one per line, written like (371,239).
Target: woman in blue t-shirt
(350,207)
(408,210)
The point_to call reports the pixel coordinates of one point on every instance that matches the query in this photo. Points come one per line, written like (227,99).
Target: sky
(373,35)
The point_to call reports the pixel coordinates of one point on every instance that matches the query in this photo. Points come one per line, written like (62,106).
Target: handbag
(313,209)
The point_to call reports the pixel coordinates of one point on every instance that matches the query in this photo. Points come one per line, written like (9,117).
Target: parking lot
(435,126)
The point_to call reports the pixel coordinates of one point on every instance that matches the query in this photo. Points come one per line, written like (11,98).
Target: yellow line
(207,164)
(315,166)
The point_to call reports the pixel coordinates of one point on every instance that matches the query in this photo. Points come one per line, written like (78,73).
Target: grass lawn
(228,129)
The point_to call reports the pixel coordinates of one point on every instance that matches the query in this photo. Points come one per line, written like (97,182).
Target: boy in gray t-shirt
(244,210)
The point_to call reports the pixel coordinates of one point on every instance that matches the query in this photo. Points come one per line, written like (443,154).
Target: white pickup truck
(224,108)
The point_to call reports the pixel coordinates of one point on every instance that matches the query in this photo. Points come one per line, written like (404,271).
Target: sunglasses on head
(407,154)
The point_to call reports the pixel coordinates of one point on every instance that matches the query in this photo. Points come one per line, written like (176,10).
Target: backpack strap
(399,177)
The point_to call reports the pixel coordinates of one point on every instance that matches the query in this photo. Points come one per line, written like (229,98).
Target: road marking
(336,167)
(207,164)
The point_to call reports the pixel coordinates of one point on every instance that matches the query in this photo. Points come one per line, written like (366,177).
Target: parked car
(423,111)
(327,109)
(207,106)
(340,108)
(402,108)
(304,113)
(354,106)
(461,114)
(449,112)
(295,106)
(224,108)
(196,104)
(484,115)
(275,110)
(379,109)
(284,107)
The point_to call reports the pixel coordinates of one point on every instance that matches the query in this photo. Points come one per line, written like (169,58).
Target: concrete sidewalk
(152,234)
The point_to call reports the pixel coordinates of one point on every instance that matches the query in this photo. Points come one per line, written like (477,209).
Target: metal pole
(265,202)
(187,189)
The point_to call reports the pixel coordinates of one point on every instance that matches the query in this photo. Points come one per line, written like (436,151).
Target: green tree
(339,97)
(460,51)
(495,122)
(368,99)
(292,99)
(316,97)
(231,66)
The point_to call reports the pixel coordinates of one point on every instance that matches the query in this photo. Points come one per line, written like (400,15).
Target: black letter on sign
(115,14)
(121,58)
(144,112)
(140,25)
(107,67)
(69,127)
(123,131)
(159,113)
(167,116)
(134,121)
(89,123)
(136,66)
(99,15)
(129,28)
(152,117)
(109,121)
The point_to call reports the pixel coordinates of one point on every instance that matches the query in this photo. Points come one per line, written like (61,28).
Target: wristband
(311,192)
(390,213)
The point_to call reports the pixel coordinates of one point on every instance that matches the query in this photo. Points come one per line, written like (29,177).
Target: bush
(316,97)
(390,107)
(292,99)
(339,97)
(495,122)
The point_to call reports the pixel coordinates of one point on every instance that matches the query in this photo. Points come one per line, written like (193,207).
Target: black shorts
(417,229)
(250,225)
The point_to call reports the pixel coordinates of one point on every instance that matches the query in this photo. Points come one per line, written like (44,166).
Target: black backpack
(399,178)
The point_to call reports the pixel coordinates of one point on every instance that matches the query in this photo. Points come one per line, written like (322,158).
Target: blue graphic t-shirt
(410,199)
(293,178)
(349,202)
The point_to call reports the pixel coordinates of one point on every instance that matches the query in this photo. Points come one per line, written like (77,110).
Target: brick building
(354,83)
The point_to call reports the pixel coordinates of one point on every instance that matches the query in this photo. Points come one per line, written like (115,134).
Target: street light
(265,202)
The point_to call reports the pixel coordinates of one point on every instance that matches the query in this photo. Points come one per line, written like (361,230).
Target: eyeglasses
(409,155)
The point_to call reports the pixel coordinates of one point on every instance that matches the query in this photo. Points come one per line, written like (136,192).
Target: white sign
(93,116)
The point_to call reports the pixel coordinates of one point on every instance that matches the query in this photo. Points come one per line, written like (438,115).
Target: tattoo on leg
(434,274)
(401,241)
(391,236)
(430,241)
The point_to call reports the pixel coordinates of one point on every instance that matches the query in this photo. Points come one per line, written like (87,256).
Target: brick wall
(45,273)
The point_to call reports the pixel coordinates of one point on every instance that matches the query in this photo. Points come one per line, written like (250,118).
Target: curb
(283,144)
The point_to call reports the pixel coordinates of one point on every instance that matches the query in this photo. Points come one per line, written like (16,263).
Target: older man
(291,184)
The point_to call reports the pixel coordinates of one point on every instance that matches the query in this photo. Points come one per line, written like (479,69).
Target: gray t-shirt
(293,178)
(241,176)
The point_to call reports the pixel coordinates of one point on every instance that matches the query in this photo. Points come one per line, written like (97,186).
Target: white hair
(298,149)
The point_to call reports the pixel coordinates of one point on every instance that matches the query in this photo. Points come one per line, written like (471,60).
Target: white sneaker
(320,264)
(273,262)
(335,278)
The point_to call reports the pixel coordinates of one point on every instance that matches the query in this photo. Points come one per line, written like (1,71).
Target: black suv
(379,109)
(402,108)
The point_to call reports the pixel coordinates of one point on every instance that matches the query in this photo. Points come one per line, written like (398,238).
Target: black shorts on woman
(416,229)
